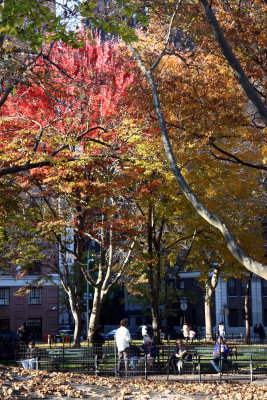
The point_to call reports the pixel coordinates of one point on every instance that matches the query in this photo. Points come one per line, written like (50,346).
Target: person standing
(97,341)
(221,330)
(255,331)
(185,330)
(123,340)
(191,335)
(261,333)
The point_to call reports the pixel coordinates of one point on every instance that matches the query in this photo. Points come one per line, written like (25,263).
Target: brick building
(38,309)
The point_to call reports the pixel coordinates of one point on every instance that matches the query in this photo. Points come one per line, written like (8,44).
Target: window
(35,296)
(181,285)
(5,297)
(35,327)
(232,287)
(4,324)
(35,269)
(233,317)
(264,287)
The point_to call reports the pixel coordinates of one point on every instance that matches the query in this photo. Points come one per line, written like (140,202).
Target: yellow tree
(238,125)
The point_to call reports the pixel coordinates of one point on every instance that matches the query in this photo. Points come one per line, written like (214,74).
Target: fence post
(251,368)
(63,353)
(145,366)
(115,360)
(96,366)
(199,370)
(168,362)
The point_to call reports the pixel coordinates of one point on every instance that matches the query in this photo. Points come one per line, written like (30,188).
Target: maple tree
(79,111)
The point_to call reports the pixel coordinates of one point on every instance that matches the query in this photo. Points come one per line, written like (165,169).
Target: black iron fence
(248,360)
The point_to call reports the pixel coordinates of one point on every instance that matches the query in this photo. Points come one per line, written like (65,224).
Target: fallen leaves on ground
(16,384)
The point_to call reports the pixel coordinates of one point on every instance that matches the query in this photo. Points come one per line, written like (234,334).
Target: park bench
(68,358)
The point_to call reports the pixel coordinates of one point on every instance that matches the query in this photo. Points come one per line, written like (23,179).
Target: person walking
(123,340)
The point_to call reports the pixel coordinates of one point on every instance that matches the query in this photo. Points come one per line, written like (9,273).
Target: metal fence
(248,360)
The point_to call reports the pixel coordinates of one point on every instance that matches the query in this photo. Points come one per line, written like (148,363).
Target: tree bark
(207,308)
(94,317)
(209,290)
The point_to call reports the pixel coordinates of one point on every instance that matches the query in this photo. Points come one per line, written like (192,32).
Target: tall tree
(79,111)
(151,74)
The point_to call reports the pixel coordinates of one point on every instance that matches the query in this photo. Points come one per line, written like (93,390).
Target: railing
(247,360)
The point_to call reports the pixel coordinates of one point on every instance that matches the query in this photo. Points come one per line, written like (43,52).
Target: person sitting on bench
(176,360)
(31,356)
(150,351)
(220,354)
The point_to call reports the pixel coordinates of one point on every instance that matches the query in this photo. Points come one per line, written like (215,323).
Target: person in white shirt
(123,340)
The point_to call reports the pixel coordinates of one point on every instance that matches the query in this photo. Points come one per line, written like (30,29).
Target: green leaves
(33,21)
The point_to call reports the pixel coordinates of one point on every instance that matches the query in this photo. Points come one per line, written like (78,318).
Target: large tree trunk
(209,290)
(75,305)
(94,317)
(232,245)
(208,323)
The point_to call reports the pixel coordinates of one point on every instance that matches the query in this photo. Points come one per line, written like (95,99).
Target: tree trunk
(94,317)
(156,319)
(75,305)
(208,324)
(209,290)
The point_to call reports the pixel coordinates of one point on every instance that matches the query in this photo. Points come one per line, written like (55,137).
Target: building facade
(38,308)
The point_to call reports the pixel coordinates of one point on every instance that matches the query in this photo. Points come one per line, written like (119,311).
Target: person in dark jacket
(31,356)
(98,341)
(176,360)
(134,356)
(150,351)
(261,333)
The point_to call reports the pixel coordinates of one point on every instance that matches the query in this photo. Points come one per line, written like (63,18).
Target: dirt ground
(17,384)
